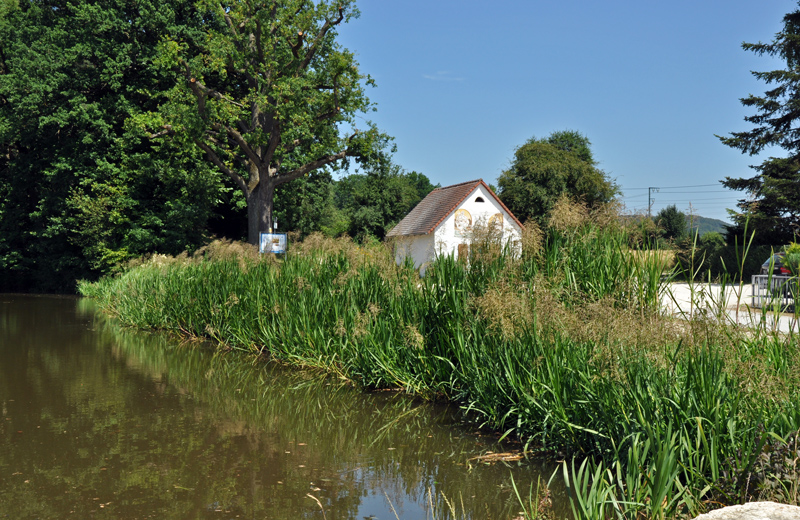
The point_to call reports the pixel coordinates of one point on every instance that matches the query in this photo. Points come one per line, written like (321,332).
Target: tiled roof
(434,208)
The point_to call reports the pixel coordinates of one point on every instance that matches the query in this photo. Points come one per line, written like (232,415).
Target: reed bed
(559,342)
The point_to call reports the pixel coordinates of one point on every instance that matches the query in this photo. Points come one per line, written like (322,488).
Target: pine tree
(772,208)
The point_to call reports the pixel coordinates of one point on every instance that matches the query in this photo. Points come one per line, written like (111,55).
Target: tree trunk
(259,209)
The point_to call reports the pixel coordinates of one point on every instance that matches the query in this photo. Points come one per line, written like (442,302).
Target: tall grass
(560,342)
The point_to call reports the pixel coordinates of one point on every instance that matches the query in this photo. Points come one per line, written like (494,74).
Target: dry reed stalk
(505,309)
(568,215)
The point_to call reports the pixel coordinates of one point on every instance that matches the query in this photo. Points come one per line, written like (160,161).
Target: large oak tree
(270,97)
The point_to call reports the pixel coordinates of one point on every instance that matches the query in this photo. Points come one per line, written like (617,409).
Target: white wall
(446,237)
(419,247)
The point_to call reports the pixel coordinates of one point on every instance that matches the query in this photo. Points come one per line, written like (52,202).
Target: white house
(442,223)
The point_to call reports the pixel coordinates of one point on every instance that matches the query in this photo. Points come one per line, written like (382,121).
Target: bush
(710,258)
(792,258)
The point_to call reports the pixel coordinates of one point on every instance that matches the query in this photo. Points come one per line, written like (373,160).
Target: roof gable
(436,206)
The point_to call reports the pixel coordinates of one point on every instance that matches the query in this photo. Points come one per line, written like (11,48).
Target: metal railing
(775,291)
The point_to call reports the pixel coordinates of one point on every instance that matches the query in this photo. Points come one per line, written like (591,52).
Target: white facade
(479,208)
(421,249)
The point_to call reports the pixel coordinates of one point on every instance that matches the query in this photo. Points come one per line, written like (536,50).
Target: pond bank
(561,355)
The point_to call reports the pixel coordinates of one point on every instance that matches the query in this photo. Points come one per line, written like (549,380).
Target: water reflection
(98,419)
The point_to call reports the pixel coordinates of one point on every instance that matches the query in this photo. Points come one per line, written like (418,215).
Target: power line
(694,199)
(671,187)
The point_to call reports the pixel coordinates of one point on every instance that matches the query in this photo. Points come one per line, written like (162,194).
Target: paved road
(730,303)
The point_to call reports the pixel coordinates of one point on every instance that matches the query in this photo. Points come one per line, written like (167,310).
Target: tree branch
(271,16)
(290,148)
(328,115)
(322,32)
(313,165)
(259,48)
(242,126)
(274,138)
(298,45)
(309,167)
(218,162)
(208,92)
(238,158)
(167,130)
(229,21)
(243,145)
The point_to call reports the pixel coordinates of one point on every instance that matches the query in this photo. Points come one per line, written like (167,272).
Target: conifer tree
(772,207)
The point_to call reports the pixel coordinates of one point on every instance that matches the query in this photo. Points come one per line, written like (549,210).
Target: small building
(443,222)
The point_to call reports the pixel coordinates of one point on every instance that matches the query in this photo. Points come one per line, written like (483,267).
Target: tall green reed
(560,343)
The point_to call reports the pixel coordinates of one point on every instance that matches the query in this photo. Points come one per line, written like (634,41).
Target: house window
(479,199)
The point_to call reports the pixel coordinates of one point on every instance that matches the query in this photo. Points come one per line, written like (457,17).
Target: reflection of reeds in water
(560,342)
(393,442)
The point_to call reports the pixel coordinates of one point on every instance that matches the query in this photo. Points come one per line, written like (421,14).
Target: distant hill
(705,225)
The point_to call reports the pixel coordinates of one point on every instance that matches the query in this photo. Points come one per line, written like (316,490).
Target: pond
(98,421)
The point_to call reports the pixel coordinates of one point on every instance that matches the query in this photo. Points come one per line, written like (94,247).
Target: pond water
(97,421)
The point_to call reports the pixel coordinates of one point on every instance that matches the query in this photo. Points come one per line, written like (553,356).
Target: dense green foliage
(710,258)
(543,170)
(672,223)
(563,346)
(792,258)
(362,205)
(374,202)
(267,95)
(772,207)
(87,88)
(78,190)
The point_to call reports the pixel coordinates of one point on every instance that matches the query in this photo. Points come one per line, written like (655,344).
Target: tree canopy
(672,222)
(91,91)
(362,205)
(269,96)
(79,191)
(374,202)
(772,206)
(543,170)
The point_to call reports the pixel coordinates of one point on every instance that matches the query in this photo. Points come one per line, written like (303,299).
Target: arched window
(479,199)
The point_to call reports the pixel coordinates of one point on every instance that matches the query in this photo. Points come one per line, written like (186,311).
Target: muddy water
(98,422)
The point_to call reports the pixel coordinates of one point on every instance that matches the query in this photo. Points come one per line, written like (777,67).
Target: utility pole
(650,200)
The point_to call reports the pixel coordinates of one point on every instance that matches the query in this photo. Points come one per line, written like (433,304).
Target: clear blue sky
(462,83)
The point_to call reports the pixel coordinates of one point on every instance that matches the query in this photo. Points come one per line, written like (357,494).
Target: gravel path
(730,303)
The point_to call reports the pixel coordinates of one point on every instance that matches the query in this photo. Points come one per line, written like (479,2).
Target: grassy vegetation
(562,345)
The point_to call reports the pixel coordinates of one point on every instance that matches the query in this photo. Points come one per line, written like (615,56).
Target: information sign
(272,243)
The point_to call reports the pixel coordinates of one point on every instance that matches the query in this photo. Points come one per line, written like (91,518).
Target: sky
(461,84)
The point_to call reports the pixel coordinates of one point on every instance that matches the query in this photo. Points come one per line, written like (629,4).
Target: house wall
(447,236)
(419,247)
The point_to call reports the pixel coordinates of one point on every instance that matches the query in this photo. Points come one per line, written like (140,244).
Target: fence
(775,291)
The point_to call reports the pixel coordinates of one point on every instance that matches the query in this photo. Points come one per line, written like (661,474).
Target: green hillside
(705,225)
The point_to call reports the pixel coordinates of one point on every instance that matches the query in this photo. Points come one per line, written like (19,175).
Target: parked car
(776,262)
